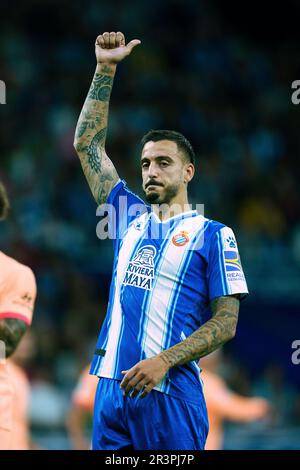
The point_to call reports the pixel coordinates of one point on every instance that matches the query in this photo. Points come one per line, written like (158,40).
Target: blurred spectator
(81,410)
(272,386)
(225,405)
(21,439)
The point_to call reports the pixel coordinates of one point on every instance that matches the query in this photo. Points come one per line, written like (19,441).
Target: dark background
(218,72)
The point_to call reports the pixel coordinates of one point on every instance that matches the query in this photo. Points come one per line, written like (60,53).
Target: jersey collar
(182,215)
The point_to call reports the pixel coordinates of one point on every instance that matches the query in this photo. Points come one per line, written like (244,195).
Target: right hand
(110,48)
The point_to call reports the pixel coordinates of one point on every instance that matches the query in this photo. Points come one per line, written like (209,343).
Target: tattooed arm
(213,334)
(91,133)
(11,332)
(91,128)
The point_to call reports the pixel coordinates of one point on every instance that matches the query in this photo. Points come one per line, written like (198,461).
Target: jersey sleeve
(84,393)
(17,300)
(122,207)
(224,272)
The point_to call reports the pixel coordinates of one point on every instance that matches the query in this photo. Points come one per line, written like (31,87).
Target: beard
(164,197)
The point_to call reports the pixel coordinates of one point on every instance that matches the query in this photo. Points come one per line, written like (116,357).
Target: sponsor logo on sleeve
(233,267)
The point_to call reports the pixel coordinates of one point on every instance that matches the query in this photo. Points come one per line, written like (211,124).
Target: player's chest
(145,255)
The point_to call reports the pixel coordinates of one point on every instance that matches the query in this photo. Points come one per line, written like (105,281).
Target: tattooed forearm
(11,331)
(90,135)
(95,157)
(101,88)
(213,334)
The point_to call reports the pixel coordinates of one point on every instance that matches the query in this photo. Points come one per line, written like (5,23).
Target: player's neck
(175,207)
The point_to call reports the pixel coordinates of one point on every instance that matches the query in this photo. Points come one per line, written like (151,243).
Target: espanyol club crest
(181,238)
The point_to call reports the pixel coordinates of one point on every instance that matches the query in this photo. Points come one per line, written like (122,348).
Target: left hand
(111,48)
(145,374)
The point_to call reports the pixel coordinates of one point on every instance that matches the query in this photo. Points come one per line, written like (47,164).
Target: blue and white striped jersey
(164,276)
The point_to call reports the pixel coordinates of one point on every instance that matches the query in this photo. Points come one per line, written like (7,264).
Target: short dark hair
(181,141)
(4,202)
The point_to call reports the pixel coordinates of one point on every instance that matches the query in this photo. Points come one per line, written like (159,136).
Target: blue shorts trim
(157,422)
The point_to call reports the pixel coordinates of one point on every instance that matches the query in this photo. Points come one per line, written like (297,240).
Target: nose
(152,170)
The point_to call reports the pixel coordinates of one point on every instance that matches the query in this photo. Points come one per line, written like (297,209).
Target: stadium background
(223,78)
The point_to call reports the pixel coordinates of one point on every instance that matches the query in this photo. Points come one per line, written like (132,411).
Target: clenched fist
(110,47)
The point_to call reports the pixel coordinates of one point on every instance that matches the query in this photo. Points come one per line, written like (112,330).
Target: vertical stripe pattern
(160,299)
(128,247)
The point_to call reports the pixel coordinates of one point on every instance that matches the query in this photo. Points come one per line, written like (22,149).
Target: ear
(189,171)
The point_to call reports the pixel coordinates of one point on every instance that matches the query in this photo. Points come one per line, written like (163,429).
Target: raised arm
(90,135)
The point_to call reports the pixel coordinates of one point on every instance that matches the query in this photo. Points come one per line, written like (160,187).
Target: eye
(164,163)
(145,164)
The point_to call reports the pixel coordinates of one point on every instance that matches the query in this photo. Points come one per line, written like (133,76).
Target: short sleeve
(122,207)
(18,298)
(84,393)
(224,270)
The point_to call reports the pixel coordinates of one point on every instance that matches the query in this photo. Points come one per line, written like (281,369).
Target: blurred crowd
(229,95)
